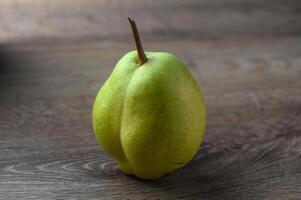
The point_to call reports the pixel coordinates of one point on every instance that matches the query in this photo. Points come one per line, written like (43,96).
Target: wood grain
(252,147)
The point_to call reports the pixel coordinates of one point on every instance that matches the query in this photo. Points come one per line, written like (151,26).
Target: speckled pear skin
(152,117)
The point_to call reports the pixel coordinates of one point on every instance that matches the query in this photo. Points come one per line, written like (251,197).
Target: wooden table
(251,82)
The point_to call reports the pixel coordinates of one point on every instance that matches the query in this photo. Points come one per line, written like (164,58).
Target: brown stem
(141,55)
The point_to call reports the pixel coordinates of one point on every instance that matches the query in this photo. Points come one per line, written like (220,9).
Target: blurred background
(56,54)
(104,19)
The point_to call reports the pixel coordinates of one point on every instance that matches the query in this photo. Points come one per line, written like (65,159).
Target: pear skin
(150,115)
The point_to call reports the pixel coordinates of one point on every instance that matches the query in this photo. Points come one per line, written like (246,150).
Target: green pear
(150,114)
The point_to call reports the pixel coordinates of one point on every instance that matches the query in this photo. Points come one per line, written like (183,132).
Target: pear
(150,114)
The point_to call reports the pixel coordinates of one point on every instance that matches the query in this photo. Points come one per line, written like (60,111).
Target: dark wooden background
(54,55)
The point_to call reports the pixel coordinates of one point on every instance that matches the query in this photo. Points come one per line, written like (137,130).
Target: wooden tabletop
(250,76)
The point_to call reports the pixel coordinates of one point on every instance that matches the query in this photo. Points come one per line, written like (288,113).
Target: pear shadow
(191,182)
(202,178)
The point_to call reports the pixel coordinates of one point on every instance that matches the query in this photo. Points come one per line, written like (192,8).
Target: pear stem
(141,55)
